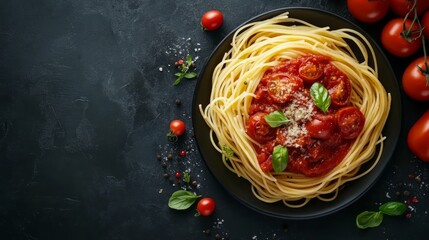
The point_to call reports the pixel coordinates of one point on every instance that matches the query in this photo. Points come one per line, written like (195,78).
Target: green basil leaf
(190,75)
(320,96)
(227,152)
(276,119)
(182,199)
(393,208)
(186,177)
(179,74)
(177,80)
(280,158)
(369,219)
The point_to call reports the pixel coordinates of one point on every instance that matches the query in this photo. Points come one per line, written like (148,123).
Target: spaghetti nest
(259,46)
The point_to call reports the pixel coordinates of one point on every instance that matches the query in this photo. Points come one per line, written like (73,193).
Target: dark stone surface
(84,110)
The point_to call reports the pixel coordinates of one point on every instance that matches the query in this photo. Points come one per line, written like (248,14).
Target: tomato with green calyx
(368,11)
(418,138)
(177,128)
(399,41)
(212,20)
(206,206)
(415,80)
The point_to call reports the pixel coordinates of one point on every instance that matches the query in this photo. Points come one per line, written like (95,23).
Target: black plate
(239,187)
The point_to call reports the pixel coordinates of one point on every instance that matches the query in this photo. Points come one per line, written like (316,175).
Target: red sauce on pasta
(317,142)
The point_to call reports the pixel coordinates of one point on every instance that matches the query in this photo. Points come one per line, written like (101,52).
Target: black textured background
(86,96)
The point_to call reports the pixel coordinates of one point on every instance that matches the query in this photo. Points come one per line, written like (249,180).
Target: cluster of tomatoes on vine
(404,36)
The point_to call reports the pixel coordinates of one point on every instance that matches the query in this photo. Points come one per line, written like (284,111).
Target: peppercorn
(158,157)
(194,183)
(406,193)
(217,236)
(418,179)
(178,102)
(164,164)
(166,175)
(178,175)
(182,153)
(207,232)
(170,156)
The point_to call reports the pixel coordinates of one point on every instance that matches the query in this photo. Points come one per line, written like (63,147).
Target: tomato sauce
(317,141)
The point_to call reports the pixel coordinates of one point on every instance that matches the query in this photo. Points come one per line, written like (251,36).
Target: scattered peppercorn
(217,236)
(194,184)
(408,215)
(178,102)
(414,200)
(182,153)
(207,232)
(406,193)
(158,157)
(170,156)
(418,179)
(193,65)
(398,193)
(164,164)
(178,175)
(166,175)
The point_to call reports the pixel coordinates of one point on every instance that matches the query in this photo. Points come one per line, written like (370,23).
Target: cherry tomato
(418,137)
(338,85)
(212,20)
(206,206)
(414,81)
(258,129)
(177,127)
(350,121)
(368,11)
(281,87)
(395,43)
(310,70)
(425,24)
(401,7)
(321,126)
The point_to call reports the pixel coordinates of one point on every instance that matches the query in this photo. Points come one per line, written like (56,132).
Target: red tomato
(321,126)
(338,86)
(206,206)
(212,20)
(350,121)
(418,137)
(368,11)
(425,24)
(258,129)
(414,81)
(177,127)
(310,70)
(395,43)
(281,87)
(401,7)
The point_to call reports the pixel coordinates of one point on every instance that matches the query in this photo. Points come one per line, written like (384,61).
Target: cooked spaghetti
(258,50)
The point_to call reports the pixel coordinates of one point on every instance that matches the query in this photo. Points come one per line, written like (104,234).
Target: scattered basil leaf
(189,59)
(393,208)
(182,199)
(280,158)
(177,81)
(320,96)
(369,219)
(190,75)
(227,152)
(276,119)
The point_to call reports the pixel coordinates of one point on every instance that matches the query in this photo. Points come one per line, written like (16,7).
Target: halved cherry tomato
(368,11)
(281,87)
(321,126)
(418,138)
(212,20)
(338,85)
(350,121)
(395,43)
(310,70)
(258,129)
(414,81)
(401,7)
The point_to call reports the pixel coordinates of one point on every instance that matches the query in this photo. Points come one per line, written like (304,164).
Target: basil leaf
(190,75)
(320,96)
(393,208)
(182,199)
(227,152)
(369,219)
(280,158)
(276,119)
(186,177)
